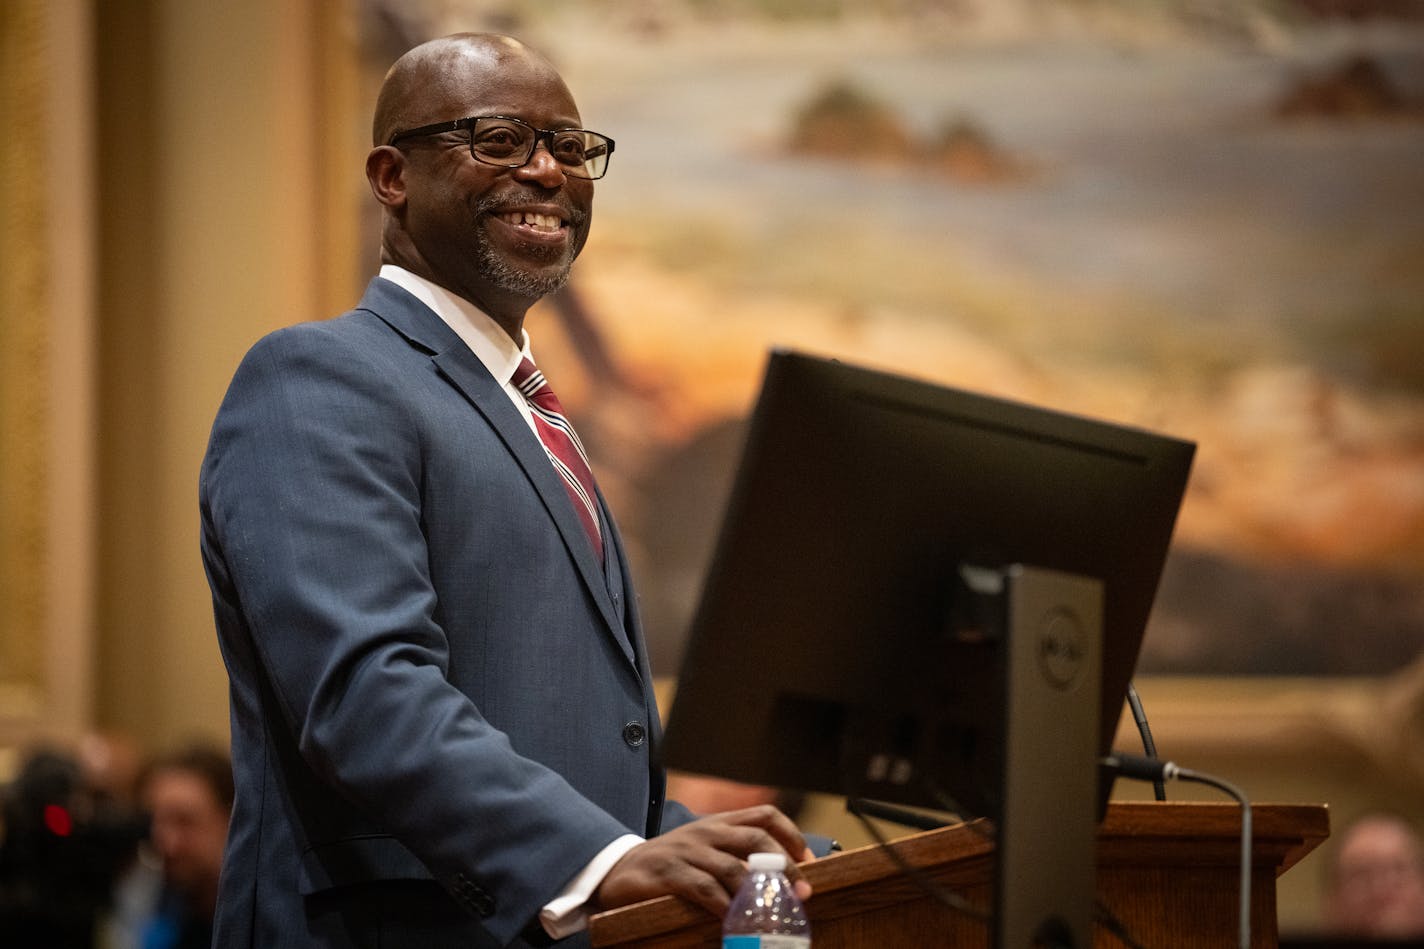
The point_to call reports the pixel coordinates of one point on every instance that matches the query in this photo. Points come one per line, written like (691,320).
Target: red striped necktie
(562,446)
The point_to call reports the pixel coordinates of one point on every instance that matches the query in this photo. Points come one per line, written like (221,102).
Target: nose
(542,167)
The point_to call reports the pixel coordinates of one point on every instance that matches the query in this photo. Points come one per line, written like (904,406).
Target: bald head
(499,235)
(432,81)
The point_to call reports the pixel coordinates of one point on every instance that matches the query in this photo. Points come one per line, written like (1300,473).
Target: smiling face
(499,237)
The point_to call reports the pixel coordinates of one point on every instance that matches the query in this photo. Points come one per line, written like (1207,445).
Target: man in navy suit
(443,723)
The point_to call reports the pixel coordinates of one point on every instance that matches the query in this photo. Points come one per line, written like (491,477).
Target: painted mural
(1203,219)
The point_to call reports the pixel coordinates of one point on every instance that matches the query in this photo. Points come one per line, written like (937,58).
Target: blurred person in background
(188,796)
(61,849)
(1375,883)
(111,763)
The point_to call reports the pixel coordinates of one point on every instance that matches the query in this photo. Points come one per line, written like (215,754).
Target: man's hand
(702,862)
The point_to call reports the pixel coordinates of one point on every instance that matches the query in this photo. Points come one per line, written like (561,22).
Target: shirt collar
(486,338)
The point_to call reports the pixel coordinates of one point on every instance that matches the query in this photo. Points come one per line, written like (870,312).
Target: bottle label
(766,941)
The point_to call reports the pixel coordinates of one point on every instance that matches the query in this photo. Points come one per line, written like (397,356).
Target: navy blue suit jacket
(432,676)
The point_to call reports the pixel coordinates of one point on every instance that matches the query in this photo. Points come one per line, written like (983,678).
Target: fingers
(703,862)
(778,826)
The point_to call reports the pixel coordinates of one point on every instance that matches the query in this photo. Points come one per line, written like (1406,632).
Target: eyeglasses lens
(509,143)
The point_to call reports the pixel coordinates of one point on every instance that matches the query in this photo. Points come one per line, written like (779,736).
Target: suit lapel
(415,321)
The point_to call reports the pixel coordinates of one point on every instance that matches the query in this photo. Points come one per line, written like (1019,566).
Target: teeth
(542,222)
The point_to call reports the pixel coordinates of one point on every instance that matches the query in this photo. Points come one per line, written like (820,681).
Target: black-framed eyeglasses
(510,143)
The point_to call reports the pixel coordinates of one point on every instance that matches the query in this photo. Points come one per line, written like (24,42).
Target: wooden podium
(1169,872)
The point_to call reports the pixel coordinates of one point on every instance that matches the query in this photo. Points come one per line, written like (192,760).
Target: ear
(385,170)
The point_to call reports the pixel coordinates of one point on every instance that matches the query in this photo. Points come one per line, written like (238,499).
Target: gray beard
(520,282)
(509,278)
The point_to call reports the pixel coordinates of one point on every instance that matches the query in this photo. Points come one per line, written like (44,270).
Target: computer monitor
(850,637)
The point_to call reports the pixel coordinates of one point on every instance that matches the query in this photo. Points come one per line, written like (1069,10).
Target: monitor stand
(1051,624)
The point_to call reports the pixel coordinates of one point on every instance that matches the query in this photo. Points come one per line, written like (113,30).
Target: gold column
(46,317)
(24,312)
(224,170)
(179,179)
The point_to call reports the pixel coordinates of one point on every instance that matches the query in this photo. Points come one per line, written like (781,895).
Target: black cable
(1185,775)
(1107,919)
(863,806)
(949,898)
(1148,769)
(947,802)
(1102,915)
(1149,747)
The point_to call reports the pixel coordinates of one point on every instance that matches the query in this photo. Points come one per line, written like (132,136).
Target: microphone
(1159,790)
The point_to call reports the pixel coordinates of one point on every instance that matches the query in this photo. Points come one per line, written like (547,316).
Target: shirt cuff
(567,913)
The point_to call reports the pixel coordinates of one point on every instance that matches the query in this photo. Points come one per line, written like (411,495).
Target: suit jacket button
(634,734)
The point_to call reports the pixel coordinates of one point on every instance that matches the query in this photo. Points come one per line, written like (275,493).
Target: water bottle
(766,913)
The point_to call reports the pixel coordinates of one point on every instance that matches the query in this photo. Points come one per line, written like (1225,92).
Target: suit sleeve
(311,498)
(674,816)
